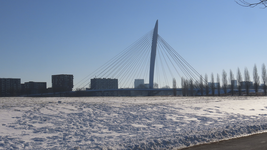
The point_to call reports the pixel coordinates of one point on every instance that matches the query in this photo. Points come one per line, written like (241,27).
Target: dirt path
(253,142)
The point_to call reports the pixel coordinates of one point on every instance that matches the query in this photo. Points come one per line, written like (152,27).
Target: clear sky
(42,38)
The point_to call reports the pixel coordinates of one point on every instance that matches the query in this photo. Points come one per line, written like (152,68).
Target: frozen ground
(127,122)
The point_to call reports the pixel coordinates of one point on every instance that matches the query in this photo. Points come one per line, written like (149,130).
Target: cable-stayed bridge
(150,58)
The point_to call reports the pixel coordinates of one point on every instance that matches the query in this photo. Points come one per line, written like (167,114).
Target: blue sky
(42,38)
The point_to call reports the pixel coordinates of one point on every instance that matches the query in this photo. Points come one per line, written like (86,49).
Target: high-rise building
(10,87)
(138,83)
(34,87)
(62,82)
(104,83)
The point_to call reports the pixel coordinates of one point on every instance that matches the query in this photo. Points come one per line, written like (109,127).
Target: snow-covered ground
(127,122)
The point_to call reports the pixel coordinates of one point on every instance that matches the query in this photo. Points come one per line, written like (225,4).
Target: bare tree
(231,78)
(155,85)
(206,85)
(191,84)
(174,86)
(212,84)
(218,85)
(247,80)
(166,87)
(224,82)
(79,92)
(264,77)
(256,79)
(201,86)
(196,87)
(184,84)
(246,3)
(239,81)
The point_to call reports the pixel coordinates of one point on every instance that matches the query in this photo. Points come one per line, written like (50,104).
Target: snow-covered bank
(127,122)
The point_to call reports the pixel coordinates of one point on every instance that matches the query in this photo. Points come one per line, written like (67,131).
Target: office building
(104,83)
(62,82)
(138,83)
(10,87)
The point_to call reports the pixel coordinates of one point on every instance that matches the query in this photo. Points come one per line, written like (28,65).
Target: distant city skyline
(42,38)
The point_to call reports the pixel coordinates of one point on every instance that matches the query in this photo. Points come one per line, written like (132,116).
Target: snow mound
(127,122)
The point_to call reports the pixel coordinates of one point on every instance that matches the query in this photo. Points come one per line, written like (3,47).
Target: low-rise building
(216,84)
(244,83)
(104,83)
(34,87)
(234,83)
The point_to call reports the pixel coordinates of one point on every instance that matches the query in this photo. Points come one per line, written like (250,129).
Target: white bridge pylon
(133,63)
(153,55)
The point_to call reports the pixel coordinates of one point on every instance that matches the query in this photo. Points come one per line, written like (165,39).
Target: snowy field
(127,122)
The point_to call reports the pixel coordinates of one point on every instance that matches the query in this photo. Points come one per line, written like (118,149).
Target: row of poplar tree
(228,86)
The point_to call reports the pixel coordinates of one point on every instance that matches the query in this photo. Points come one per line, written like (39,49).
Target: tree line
(227,85)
